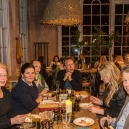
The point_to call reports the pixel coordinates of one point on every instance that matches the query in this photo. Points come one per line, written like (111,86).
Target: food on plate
(48,105)
(84,122)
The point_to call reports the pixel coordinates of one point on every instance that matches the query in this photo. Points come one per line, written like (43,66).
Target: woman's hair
(119,58)
(102,60)
(110,70)
(125,69)
(26,66)
(55,57)
(32,62)
(3,66)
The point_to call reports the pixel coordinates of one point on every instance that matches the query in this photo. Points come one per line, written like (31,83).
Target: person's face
(29,75)
(56,59)
(3,77)
(69,65)
(105,79)
(125,77)
(37,66)
(81,57)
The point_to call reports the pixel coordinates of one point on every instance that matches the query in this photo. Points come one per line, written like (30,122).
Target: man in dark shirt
(70,78)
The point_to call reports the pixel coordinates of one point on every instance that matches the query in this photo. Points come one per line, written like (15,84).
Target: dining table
(77,114)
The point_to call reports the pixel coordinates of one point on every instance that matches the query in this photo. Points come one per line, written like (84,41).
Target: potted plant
(102,40)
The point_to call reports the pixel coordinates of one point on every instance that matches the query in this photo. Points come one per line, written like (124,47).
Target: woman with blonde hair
(7,115)
(114,94)
(102,60)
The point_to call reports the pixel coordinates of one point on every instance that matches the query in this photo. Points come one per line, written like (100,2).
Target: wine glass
(66,120)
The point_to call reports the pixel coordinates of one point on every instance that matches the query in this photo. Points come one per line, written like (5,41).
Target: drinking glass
(57,86)
(66,120)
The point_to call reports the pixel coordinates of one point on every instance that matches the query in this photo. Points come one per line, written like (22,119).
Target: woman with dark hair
(56,61)
(24,95)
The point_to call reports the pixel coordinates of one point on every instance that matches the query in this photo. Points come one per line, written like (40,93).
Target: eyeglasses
(3,75)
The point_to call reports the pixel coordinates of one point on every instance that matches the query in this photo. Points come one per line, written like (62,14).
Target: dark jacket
(116,103)
(24,97)
(6,111)
(76,81)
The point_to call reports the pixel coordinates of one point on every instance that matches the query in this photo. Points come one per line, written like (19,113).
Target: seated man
(70,78)
(122,121)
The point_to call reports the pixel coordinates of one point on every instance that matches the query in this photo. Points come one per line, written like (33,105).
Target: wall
(38,32)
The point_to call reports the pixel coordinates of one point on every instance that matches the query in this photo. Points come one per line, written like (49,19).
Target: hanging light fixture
(127,18)
(63,13)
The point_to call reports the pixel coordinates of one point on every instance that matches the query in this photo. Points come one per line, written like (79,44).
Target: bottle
(44,124)
(69,95)
(50,124)
(59,110)
(76,105)
(56,115)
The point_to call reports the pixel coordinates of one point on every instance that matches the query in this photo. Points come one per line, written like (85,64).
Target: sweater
(23,97)
(76,81)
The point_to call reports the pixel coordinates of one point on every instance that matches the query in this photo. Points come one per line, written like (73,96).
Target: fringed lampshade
(63,13)
(127,18)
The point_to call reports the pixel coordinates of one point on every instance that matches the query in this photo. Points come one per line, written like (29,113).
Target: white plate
(85,105)
(29,118)
(89,121)
(46,101)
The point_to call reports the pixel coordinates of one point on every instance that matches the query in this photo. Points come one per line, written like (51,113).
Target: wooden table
(81,113)
(93,70)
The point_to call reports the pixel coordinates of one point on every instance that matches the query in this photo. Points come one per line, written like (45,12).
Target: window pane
(118,9)
(65,51)
(105,29)
(65,41)
(126,41)
(96,20)
(118,20)
(87,9)
(105,9)
(117,50)
(86,50)
(95,9)
(86,39)
(86,30)
(118,28)
(117,41)
(105,20)
(65,30)
(73,51)
(86,20)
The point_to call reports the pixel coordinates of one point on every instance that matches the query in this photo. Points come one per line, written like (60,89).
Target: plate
(29,117)
(85,105)
(78,121)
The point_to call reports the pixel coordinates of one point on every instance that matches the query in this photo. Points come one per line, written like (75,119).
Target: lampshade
(63,12)
(127,18)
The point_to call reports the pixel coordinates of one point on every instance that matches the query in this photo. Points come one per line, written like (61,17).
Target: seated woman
(39,80)
(25,95)
(7,115)
(56,62)
(114,94)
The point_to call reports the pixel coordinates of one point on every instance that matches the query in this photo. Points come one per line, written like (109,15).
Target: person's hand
(109,127)
(18,119)
(39,99)
(43,92)
(96,100)
(96,109)
(109,120)
(67,76)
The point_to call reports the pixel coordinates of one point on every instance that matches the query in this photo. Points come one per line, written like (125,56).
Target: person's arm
(76,81)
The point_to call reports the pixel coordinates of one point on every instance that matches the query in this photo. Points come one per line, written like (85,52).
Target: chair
(86,79)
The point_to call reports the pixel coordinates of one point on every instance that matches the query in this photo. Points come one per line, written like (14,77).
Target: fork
(86,116)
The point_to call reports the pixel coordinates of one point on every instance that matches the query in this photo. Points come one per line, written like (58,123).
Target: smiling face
(3,77)
(37,66)
(69,65)
(28,75)
(125,77)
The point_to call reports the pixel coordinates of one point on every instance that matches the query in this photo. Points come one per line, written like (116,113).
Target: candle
(68,106)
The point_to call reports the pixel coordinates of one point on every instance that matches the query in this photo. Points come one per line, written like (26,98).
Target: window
(4,31)
(107,15)
(23,28)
